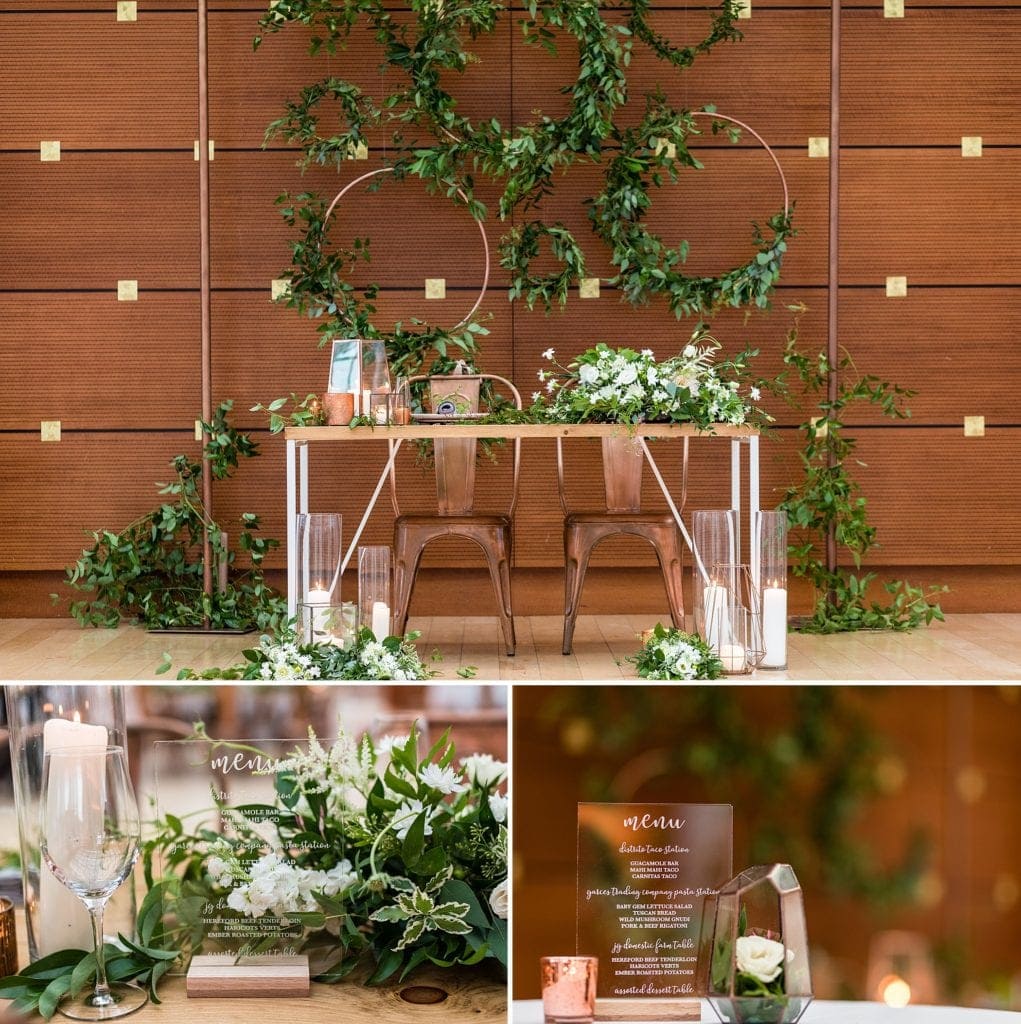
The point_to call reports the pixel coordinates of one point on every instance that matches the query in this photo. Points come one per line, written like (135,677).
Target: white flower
(498,805)
(499,900)
(483,769)
(759,957)
(339,878)
(405,815)
(647,352)
(690,352)
(755,393)
(548,354)
(444,779)
(551,386)
(588,374)
(535,396)
(388,742)
(627,375)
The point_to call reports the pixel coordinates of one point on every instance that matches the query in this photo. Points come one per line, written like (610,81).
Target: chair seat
(619,518)
(471,519)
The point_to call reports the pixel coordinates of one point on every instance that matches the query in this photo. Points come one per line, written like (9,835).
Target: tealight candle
(569,989)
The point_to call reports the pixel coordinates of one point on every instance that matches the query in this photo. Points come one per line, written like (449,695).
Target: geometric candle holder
(758,960)
(772,530)
(374,589)
(320,553)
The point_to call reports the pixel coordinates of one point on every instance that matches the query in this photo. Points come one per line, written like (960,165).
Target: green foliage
(152,569)
(803,778)
(145,960)
(828,498)
(429,138)
(669,653)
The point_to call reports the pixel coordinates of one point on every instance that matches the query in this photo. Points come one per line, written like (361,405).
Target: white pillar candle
(63,920)
(774,627)
(717,616)
(380,625)
(733,657)
(319,619)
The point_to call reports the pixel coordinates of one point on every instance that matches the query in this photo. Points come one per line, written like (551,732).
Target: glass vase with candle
(735,619)
(41,719)
(375,576)
(320,556)
(714,541)
(772,581)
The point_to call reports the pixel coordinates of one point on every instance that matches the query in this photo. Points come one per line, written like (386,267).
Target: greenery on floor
(151,571)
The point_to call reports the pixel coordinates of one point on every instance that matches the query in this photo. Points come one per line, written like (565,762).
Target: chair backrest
(454,459)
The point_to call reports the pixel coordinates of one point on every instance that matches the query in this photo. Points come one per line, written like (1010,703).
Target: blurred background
(898,807)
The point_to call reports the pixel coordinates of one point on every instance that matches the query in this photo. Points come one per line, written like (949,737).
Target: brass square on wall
(127,291)
(435,288)
(49,151)
(588,288)
(896,287)
(971,145)
(49,430)
(974,426)
(127,10)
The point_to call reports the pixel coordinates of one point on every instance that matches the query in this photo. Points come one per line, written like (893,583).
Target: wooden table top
(431,994)
(467,428)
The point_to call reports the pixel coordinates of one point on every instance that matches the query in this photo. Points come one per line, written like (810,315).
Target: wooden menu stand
(648,1009)
(220,977)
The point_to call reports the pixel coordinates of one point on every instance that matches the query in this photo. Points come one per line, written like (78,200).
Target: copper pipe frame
(204,279)
(833,281)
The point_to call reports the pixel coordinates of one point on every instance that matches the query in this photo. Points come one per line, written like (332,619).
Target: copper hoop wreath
(482,231)
(762,142)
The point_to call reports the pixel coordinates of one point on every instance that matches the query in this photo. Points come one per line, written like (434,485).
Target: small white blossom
(755,393)
(443,779)
(548,354)
(484,770)
(498,805)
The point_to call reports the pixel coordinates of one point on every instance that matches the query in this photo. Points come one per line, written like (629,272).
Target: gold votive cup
(569,989)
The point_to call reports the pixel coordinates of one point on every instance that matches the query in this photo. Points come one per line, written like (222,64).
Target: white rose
(587,373)
(483,769)
(499,900)
(759,957)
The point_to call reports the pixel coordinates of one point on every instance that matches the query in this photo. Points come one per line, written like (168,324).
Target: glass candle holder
(41,719)
(735,619)
(8,939)
(714,539)
(320,553)
(374,588)
(400,403)
(327,623)
(772,582)
(569,989)
(374,376)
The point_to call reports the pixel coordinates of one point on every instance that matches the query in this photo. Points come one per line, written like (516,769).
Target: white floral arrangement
(374,853)
(622,385)
(669,653)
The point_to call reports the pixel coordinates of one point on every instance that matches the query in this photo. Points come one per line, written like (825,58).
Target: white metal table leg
(753,509)
(292,529)
(735,491)
(395,447)
(303,479)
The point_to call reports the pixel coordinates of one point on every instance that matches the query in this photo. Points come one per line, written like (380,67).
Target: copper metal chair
(456,517)
(623,461)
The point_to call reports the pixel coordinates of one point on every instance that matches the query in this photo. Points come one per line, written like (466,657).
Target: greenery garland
(524,158)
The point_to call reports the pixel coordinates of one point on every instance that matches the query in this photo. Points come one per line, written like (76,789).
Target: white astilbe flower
(446,780)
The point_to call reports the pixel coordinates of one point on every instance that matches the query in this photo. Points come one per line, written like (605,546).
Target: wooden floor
(964,647)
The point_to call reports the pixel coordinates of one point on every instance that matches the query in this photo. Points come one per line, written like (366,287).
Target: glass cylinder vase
(714,539)
(42,718)
(375,576)
(734,617)
(772,581)
(320,555)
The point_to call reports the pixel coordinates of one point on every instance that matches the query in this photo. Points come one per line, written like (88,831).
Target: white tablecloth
(529,1011)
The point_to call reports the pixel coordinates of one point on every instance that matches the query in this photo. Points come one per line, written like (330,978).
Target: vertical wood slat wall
(122,377)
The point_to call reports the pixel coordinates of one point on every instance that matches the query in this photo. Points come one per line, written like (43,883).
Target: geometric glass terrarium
(758,969)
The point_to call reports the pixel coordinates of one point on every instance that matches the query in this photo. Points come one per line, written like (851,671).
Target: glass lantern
(758,963)
(374,587)
(320,555)
(42,718)
(772,582)
(359,366)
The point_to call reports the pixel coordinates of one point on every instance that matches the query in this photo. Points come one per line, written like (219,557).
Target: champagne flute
(90,841)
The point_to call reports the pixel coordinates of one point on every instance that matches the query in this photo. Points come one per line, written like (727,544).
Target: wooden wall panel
(930,215)
(973,90)
(414,235)
(93,219)
(111,105)
(68,353)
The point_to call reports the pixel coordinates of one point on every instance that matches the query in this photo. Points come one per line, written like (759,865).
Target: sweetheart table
(825,1011)
(300,439)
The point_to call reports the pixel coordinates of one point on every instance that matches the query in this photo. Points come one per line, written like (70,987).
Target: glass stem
(101,995)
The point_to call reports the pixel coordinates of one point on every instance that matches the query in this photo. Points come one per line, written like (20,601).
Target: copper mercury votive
(8,939)
(569,989)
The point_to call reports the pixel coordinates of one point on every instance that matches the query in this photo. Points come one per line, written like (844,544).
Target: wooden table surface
(467,428)
(431,994)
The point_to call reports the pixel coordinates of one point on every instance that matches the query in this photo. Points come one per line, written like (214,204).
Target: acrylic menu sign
(644,872)
(225,790)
